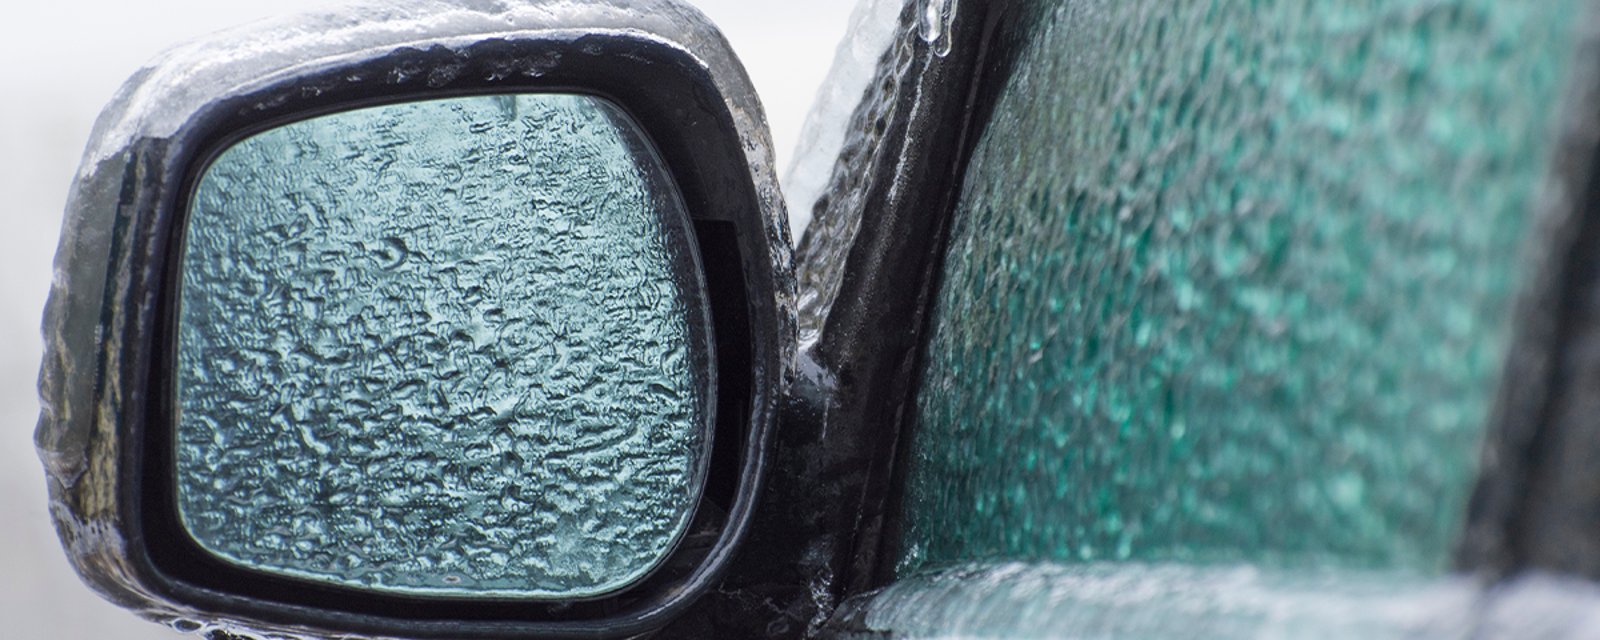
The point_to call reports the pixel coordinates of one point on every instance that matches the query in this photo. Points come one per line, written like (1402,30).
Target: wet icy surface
(839,209)
(455,347)
(1153,601)
(1138,601)
(94,293)
(828,122)
(1234,281)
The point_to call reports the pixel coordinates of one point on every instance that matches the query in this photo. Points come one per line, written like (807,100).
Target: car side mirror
(421,320)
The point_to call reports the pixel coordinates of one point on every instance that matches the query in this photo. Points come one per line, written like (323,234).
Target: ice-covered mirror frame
(108,322)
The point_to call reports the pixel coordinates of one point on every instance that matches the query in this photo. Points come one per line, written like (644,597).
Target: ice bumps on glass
(1234,282)
(451,348)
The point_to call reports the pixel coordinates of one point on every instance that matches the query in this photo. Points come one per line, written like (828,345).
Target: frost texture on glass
(1232,281)
(457,347)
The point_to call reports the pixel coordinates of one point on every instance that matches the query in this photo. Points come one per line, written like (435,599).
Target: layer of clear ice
(93,314)
(872,28)
(455,347)
(1141,601)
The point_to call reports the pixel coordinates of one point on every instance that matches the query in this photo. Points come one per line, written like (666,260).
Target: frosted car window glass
(1234,282)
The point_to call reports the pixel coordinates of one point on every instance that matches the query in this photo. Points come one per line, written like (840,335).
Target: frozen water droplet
(934,26)
(186,626)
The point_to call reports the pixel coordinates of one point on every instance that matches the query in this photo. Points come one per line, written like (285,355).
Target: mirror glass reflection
(455,347)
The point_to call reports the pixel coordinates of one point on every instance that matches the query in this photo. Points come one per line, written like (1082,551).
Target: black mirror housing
(106,428)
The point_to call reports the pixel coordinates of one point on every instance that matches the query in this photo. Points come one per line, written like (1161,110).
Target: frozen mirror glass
(455,347)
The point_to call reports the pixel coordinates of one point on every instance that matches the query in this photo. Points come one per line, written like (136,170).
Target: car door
(1199,319)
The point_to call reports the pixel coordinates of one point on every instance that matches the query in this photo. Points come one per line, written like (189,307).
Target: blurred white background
(59,63)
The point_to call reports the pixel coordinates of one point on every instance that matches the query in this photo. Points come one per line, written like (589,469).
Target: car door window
(1232,283)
